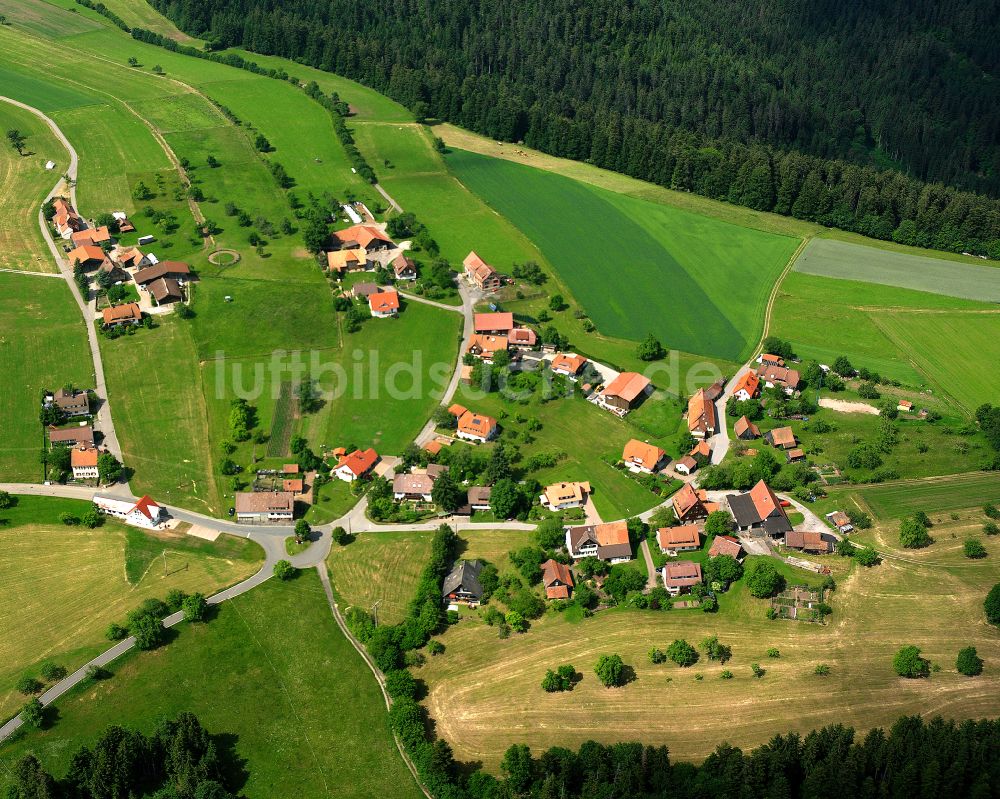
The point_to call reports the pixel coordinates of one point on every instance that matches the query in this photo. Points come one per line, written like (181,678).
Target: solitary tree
(909,663)
(17,140)
(682,653)
(650,349)
(913,534)
(610,670)
(284,570)
(762,579)
(302,531)
(195,607)
(992,605)
(969,663)
(974,549)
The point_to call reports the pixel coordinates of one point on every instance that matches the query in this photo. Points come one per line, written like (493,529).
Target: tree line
(835,113)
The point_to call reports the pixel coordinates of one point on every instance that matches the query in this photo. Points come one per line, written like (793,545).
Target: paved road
(103,415)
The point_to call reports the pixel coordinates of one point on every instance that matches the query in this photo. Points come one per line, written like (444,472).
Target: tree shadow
(232,765)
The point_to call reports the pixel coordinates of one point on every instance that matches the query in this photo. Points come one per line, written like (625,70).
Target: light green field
(933,495)
(37,16)
(63,586)
(972,280)
(824,317)
(273,673)
(484,693)
(699,284)
(953,349)
(43,345)
(24,183)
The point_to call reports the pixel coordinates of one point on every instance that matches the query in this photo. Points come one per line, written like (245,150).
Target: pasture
(43,345)
(809,309)
(64,585)
(958,351)
(304,716)
(24,183)
(707,280)
(972,280)
(485,694)
(931,495)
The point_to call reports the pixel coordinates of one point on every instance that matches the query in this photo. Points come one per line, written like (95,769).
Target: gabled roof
(479,495)
(611,539)
(643,454)
(474,263)
(560,493)
(681,573)
(362,234)
(743,426)
(568,362)
(554,571)
(456,409)
(80,457)
(686,535)
(749,382)
(465,575)
(628,386)
(487,344)
(91,235)
(79,433)
(701,412)
(688,499)
(714,391)
(295,485)
(779,375)
(384,301)
(147,507)
(725,545)
(701,450)
(360,461)
(806,539)
(339,260)
(782,437)
(412,484)
(489,322)
(524,336)
(772,360)
(765,500)
(85,253)
(162,269)
(401,264)
(166,288)
(265,501)
(290,468)
(476,424)
(122,313)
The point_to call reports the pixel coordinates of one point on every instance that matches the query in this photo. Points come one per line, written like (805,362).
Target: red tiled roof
(686,535)
(488,322)
(749,382)
(122,313)
(362,234)
(476,424)
(384,301)
(360,461)
(628,386)
(642,454)
(725,545)
(568,362)
(764,500)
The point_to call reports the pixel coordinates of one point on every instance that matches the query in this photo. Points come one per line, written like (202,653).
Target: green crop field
(824,317)
(63,586)
(699,284)
(43,345)
(485,694)
(933,495)
(24,182)
(273,672)
(37,16)
(838,259)
(958,351)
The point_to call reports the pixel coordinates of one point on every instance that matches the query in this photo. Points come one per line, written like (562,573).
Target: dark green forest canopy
(841,113)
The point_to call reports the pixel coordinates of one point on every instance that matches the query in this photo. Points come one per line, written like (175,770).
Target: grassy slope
(63,586)
(42,345)
(24,181)
(895,500)
(304,711)
(708,281)
(485,695)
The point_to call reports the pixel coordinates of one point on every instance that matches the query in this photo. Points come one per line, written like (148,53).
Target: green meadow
(934,495)
(298,708)
(43,345)
(698,284)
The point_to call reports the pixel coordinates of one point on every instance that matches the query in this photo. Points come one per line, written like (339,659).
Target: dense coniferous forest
(881,117)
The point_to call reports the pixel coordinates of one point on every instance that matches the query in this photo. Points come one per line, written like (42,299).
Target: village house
(384,304)
(415,487)
(479,498)
(485,346)
(759,510)
(568,364)
(561,496)
(264,507)
(130,258)
(639,456)
(462,583)
(72,402)
(701,417)
(144,513)
(781,437)
(726,545)
(174,270)
(118,315)
(88,256)
(745,430)
(686,465)
(403,268)
(166,290)
(476,427)
(499,323)
(692,503)
(608,542)
(83,462)
(795,455)
(96,236)
(356,465)
(79,435)
(679,576)
(624,392)
(808,541)
(684,538)
(523,338)
(124,225)
(65,219)
(112,271)
(699,455)
(557,579)
(747,387)
(364,290)
(290,468)
(716,390)
(341,261)
(365,237)
(787,379)
(768,359)
(904,405)
(480,274)
(294,485)
(841,521)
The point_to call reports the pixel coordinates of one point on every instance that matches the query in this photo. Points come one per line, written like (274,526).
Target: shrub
(435,647)
(115,632)
(28,685)
(821,670)
(991,510)
(726,675)
(758,672)
(657,656)
(682,653)
(610,670)
(969,663)
(773,653)
(516,621)
(715,650)
(284,570)
(913,535)
(908,663)
(175,599)
(992,605)
(52,672)
(195,607)
(867,557)
(991,528)
(762,579)
(974,549)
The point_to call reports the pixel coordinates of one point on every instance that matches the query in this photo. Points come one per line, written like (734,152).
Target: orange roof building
(624,392)
(346,260)
(356,465)
(481,274)
(87,255)
(91,236)
(362,236)
(692,503)
(486,346)
(384,304)
(476,427)
(642,457)
(498,322)
(726,545)
(560,496)
(684,538)
(127,314)
(557,579)
(568,364)
(745,429)
(747,387)
(701,417)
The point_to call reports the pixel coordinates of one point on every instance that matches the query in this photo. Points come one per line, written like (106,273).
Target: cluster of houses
(365,248)
(74,403)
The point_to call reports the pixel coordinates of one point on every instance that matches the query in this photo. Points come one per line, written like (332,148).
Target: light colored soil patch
(203,532)
(844,406)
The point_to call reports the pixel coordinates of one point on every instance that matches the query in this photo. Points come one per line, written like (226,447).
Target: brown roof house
(560,496)
(480,274)
(78,435)
(787,379)
(841,521)
(684,538)
(642,457)
(523,338)
(726,545)
(557,579)
(701,417)
(745,430)
(415,487)
(177,270)
(166,290)
(807,541)
(264,507)
(692,503)
(118,315)
(700,454)
(403,268)
(608,542)
(624,392)
(782,437)
(759,510)
(680,576)
(71,402)
(479,497)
